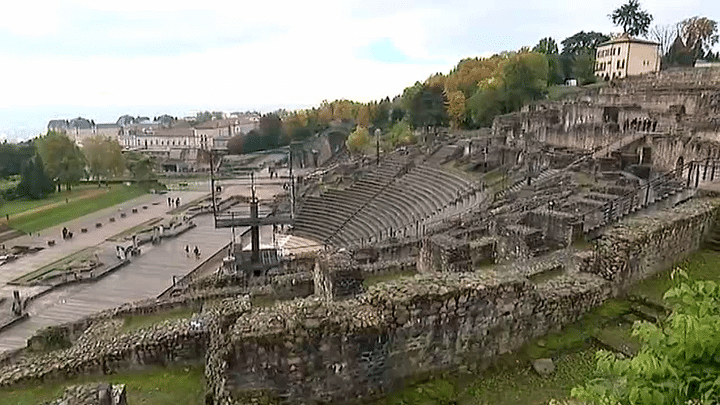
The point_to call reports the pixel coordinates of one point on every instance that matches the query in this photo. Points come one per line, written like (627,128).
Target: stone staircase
(442,155)
(619,144)
(545,175)
(667,189)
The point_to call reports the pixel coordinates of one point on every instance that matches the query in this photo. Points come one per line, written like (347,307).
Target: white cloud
(236,53)
(30,18)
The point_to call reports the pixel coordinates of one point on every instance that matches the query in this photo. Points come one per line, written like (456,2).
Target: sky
(101,59)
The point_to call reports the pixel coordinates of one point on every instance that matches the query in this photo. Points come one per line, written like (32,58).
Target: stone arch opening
(646,155)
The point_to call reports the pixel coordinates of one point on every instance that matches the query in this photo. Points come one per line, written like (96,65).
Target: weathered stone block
(336,276)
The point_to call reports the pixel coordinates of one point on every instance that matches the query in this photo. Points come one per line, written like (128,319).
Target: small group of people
(196,251)
(273,172)
(66,234)
(173,202)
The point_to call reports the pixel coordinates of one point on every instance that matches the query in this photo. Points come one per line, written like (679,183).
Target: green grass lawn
(384,278)
(137,322)
(159,386)
(35,215)
(701,265)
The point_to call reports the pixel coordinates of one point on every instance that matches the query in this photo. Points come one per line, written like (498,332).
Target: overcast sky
(100,59)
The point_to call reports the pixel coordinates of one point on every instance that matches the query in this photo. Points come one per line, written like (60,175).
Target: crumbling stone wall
(317,350)
(557,227)
(680,105)
(180,342)
(93,394)
(640,246)
(442,253)
(336,276)
(310,350)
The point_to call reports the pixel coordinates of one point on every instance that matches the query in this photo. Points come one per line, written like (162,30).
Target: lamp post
(377,145)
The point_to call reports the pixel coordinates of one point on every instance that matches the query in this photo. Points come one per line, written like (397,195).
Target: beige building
(626,56)
(211,132)
(161,139)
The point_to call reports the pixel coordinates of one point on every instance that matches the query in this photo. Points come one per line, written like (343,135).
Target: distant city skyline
(99,60)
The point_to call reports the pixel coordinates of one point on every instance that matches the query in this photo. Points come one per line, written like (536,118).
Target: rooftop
(627,38)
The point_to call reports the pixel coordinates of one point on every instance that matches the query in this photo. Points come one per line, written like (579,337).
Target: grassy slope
(81,201)
(160,386)
(142,321)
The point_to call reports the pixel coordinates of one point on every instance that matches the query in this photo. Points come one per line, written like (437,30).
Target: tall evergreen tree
(633,21)
(34,182)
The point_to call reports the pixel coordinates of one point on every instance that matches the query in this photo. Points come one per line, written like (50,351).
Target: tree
(633,21)
(104,157)
(486,103)
(456,108)
(64,161)
(358,139)
(272,130)
(583,42)
(139,165)
(363,116)
(381,115)
(680,55)
(583,68)
(525,79)
(401,134)
(678,361)
(34,182)
(548,46)
(428,107)
(664,35)
(699,34)
(235,144)
(14,156)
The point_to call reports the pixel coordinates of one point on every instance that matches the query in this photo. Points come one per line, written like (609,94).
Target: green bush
(679,361)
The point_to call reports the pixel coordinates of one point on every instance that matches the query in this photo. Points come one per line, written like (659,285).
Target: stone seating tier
(382,200)
(420,189)
(448,191)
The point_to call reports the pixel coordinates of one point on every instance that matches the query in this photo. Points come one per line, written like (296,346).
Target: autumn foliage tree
(358,140)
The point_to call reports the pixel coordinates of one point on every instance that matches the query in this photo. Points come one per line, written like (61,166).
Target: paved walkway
(147,275)
(156,207)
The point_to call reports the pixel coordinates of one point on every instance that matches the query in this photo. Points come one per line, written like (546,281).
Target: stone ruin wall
(668,150)
(638,247)
(363,347)
(683,104)
(97,353)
